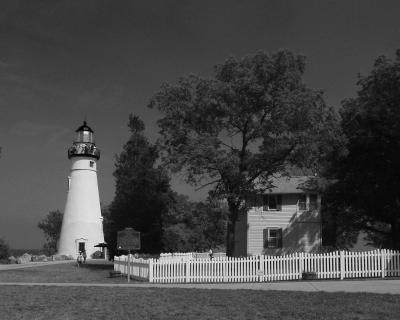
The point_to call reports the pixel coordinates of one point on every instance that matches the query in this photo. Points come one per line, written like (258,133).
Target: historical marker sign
(128,239)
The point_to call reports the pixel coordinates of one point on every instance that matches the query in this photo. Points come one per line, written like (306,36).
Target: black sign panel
(128,239)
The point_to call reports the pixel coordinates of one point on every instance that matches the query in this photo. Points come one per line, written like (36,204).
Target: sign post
(129,266)
(128,239)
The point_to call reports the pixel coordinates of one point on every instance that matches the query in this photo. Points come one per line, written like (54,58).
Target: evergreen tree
(141,193)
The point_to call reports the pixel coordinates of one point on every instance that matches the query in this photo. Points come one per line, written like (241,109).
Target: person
(211,253)
(84,256)
(79,259)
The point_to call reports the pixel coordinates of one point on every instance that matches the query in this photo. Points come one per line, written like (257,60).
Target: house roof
(294,184)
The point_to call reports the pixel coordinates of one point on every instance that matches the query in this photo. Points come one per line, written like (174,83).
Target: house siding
(301,230)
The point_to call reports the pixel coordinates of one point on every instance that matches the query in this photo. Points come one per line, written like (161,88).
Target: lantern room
(83,145)
(84,133)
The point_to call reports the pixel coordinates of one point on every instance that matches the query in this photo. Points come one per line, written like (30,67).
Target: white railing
(186,256)
(334,265)
(183,256)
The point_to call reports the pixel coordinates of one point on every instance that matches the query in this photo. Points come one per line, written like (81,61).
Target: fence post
(225,269)
(301,269)
(151,270)
(342,265)
(187,271)
(129,266)
(383,259)
(260,272)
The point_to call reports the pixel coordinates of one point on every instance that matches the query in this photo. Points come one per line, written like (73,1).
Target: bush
(4,250)
(309,275)
(97,255)
(25,258)
(12,260)
(61,257)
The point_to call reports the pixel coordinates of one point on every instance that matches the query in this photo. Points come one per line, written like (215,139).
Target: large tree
(255,118)
(51,227)
(141,192)
(368,178)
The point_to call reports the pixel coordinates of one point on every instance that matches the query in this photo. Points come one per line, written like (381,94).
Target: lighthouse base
(77,238)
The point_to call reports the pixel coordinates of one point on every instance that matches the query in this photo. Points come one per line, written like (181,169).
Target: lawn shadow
(98,265)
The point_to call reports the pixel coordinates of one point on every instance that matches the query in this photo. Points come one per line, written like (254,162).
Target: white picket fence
(334,265)
(139,268)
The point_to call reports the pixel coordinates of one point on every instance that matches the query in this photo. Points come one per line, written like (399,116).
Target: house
(284,219)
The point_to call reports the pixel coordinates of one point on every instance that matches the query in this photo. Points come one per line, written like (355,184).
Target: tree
(255,118)
(339,220)
(142,191)
(368,177)
(193,226)
(51,227)
(4,249)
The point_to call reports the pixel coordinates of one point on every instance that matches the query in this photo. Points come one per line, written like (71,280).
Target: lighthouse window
(91,164)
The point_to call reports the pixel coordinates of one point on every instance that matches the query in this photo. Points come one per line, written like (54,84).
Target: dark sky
(61,60)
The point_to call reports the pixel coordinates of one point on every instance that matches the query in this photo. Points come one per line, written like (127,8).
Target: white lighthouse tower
(82,226)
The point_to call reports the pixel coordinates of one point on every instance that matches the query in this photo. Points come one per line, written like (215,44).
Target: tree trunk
(230,239)
(395,233)
(230,232)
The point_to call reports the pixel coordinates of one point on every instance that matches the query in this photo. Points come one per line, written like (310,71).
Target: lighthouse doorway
(82,247)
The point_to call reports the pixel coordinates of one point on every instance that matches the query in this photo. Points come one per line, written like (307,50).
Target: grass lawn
(155,303)
(40,302)
(91,272)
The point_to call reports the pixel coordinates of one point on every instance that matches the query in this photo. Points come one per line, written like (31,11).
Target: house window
(91,164)
(272,238)
(307,202)
(313,202)
(272,202)
(302,202)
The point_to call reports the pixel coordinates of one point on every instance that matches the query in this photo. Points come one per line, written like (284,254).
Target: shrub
(97,254)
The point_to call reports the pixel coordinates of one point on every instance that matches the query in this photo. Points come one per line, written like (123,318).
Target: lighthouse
(82,225)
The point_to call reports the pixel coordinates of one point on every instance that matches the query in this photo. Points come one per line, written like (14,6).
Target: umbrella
(101,245)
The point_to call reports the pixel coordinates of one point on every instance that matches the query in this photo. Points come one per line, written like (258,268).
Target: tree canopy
(368,177)
(194,226)
(51,227)
(253,119)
